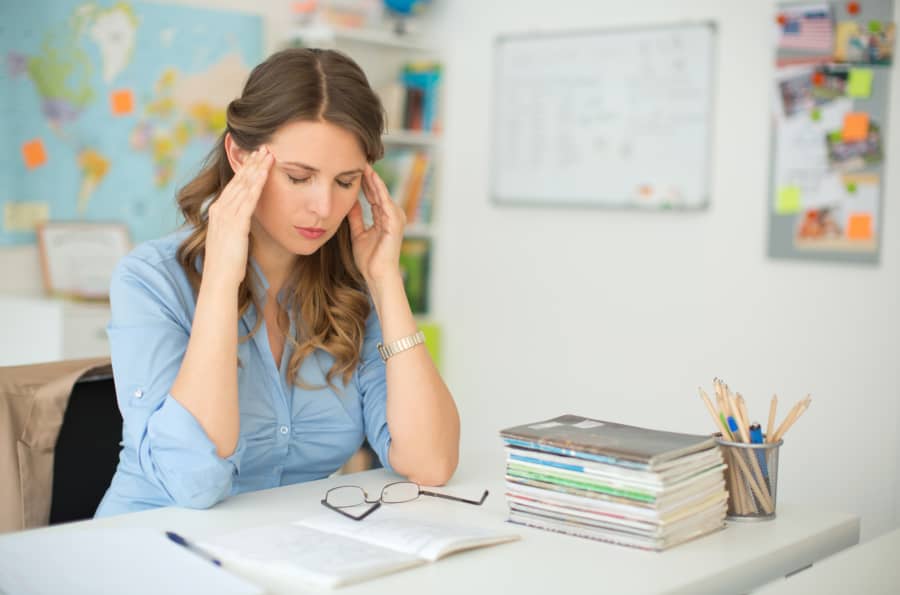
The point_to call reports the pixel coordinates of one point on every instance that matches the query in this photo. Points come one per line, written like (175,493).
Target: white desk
(738,559)
(871,568)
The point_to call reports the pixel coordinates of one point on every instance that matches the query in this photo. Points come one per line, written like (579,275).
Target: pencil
(792,418)
(771,426)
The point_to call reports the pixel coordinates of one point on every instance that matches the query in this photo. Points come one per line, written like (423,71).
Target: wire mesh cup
(751,479)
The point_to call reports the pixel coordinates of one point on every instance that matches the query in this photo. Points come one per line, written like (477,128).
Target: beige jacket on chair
(33,400)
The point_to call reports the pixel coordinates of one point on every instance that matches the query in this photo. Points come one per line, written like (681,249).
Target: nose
(320,200)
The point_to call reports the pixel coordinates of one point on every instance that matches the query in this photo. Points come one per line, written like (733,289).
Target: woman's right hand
(228,232)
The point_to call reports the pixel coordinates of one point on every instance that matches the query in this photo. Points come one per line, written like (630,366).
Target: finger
(238,183)
(369,190)
(355,219)
(256,183)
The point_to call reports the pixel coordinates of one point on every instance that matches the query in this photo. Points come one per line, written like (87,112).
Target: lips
(310,233)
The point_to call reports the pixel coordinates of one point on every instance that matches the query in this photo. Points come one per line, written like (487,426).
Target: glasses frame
(376,504)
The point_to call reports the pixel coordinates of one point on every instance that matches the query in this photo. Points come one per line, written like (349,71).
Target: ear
(236,155)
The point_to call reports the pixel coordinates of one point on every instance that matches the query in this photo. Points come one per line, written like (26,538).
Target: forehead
(322,145)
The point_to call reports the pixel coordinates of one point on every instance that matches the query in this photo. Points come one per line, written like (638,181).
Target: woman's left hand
(377,249)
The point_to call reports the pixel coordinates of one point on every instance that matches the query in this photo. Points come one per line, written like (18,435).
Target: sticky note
(859,226)
(856,127)
(853,7)
(851,187)
(815,114)
(34,154)
(859,83)
(788,200)
(818,78)
(121,102)
(24,216)
(874,26)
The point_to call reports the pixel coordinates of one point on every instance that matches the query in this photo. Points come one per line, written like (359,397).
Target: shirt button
(138,394)
(283,429)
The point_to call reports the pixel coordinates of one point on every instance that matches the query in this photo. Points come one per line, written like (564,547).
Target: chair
(87,450)
(59,441)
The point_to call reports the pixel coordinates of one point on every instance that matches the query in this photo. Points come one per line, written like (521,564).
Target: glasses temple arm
(458,499)
(375,507)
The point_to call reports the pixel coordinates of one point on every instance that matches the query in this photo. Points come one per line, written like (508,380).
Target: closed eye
(343,184)
(298,180)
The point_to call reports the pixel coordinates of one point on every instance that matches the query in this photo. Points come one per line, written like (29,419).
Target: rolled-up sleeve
(148,335)
(373,392)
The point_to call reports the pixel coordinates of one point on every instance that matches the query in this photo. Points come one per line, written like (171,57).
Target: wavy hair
(325,292)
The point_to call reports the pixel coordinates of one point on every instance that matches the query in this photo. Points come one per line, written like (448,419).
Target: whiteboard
(617,118)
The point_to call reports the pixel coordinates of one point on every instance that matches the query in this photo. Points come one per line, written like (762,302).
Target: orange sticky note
(121,102)
(856,127)
(859,226)
(34,154)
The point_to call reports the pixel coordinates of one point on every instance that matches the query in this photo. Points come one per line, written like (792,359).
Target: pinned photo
(854,155)
(859,43)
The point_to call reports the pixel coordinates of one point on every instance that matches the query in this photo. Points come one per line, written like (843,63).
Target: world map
(107,108)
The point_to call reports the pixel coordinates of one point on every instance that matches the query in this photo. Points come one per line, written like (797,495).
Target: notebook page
(426,539)
(109,561)
(286,553)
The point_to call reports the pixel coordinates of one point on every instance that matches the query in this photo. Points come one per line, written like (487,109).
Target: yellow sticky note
(859,83)
(788,200)
(856,127)
(24,216)
(859,226)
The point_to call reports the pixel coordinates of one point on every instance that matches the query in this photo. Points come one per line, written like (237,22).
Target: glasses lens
(345,496)
(402,491)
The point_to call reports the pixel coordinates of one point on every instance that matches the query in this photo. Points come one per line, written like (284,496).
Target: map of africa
(106,108)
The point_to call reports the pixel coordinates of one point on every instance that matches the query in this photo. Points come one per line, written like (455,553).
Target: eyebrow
(316,170)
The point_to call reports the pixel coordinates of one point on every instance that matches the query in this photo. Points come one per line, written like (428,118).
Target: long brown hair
(325,292)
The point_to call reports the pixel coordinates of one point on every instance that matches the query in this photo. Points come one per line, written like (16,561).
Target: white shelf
(411,137)
(419,230)
(381,37)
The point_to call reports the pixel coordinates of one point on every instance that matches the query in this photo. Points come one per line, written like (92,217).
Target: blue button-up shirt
(287,434)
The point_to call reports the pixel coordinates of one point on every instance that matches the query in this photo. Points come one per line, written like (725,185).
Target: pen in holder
(751,479)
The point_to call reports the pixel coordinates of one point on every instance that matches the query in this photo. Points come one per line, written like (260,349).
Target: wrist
(385,284)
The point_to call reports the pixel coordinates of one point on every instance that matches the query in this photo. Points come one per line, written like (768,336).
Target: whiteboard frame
(604,202)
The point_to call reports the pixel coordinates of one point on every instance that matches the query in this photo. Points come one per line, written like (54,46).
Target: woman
(247,348)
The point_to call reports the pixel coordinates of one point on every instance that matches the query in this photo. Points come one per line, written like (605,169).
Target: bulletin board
(829,122)
(612,118)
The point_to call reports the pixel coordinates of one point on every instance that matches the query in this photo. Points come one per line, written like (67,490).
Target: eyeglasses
(341,497)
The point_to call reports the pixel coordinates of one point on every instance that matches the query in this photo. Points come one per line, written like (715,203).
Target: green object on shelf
(432,331)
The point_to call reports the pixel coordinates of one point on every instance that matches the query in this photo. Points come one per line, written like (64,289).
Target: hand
(376,250)
(228,233)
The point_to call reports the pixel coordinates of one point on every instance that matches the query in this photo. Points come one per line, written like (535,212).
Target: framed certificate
(78,257)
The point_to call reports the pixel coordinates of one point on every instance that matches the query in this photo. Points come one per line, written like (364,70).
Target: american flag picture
(806,28)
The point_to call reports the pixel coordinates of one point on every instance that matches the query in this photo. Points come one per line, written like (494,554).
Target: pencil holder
(751,479)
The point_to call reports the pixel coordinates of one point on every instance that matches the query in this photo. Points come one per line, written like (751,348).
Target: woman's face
(312,185)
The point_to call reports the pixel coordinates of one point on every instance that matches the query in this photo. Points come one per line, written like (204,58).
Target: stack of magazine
(622,484)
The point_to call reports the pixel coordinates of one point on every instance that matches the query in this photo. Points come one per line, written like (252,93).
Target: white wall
(621,315)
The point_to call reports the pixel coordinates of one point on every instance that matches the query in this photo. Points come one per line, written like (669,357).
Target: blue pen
(193,548)
(756,437)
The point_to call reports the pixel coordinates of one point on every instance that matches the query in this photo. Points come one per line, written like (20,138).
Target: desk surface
(869,567)
(742,557)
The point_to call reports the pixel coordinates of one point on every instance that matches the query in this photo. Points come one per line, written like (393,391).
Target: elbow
(435,472)
(200,500)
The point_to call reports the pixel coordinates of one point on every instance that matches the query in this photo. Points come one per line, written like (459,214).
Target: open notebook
(330,550)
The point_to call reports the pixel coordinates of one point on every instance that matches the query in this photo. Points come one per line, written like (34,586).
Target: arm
(421,413)
(148,335)
(212,398)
